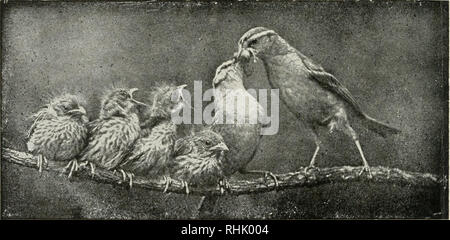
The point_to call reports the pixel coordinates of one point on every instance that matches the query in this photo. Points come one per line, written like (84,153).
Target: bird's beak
(219,147)
(134,100)
(79,110)
(180,93)
(182,86)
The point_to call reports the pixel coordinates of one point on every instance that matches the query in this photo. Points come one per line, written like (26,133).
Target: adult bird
(59,131)
(153,149)
(198,159)
(315,96)
(113,134)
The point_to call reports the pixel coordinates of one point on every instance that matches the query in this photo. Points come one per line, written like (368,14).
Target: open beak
(219,147)
(180,93)
(79,110)
(240,50)
(134,100)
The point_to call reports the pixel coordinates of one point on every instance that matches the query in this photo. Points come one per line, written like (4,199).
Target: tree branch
(313,177)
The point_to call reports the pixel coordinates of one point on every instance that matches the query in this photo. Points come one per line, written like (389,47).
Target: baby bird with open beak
(153,149)
(113,134)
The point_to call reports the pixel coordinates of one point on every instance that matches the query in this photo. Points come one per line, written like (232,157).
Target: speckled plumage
(112,136)
(59,130)
(197,159)
(153,149)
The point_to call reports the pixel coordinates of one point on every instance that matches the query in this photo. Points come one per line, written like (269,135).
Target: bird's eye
(253,42)
(207,142)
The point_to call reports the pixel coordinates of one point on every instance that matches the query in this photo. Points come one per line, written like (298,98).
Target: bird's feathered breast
(59,138)
(151,153)
(110,140)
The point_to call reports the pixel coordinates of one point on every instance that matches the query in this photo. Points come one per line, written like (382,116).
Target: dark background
(392,56)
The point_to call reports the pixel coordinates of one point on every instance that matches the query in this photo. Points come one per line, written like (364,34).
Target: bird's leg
(73,165)
(313,159)
(224,185)
(39,163)
(185,185)
(266,173)
(41,160)
(126,175)
(167,181)
(316,151)
(366,167)
(91,166)
(354,136)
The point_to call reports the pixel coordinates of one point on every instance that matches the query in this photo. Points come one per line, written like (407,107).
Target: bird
(112,135)
(59,131)
(241,137)
(154,147)
(312,94)
(198,159)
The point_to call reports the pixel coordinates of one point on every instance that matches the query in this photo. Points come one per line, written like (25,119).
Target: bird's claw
(126,175)
(41,160)
(91,166)
(73,166)
(224,185)
(167,181)
(309,168)
(275,179)
(366,169)
(185,185)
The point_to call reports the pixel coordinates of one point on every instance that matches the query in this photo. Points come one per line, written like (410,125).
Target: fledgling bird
(153,149)
(113,134)
(198,159)
(241,130)
(59,131)
(315,96)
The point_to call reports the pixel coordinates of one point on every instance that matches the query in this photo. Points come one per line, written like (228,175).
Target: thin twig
(311,178)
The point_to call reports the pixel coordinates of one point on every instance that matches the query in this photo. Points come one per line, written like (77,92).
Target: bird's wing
(181,147)
(94,126)
(329,82)
(41,115)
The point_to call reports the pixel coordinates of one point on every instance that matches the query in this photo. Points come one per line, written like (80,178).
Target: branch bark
(311,178)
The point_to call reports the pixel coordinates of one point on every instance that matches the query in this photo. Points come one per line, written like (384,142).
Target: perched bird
(59,131)
(113,134)
(315,96)
(153,149)
(241,130)
(198,159)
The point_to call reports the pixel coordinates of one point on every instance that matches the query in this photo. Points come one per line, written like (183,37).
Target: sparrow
(241,136)
(154,147)
(113,134)
(198,159)
(59,131)
(313,95)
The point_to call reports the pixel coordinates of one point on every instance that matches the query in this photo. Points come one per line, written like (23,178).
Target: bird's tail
(206,207)
(381,128)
